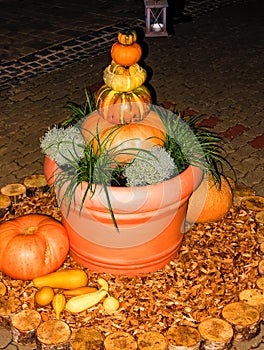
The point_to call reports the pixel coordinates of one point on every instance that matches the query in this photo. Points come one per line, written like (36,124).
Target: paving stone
(5,338)
(257,142)
(11,347)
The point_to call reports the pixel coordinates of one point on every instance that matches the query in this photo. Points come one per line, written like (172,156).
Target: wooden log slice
(261,267)
(87,339)
(260,282)
(120,340)
(5,205)
(260,234)
(239,192)
(183,338)
(217,334)
(255,203)
(35,184)
(24,326)
(53,335)
(260,217)
(8,306)
(5,321)
(152,340)
(244,318)
(16,192)
(254,297)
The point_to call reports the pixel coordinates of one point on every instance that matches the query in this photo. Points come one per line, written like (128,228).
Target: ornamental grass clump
(150,167)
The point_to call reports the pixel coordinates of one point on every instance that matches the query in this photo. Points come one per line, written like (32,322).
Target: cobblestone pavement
(52,51)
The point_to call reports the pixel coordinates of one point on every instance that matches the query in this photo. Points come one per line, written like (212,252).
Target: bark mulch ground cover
(217,261)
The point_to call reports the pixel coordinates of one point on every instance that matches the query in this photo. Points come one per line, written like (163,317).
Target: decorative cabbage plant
(149,168)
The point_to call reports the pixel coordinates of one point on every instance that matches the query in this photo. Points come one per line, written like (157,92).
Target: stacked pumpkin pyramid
(124,79)
(124,102)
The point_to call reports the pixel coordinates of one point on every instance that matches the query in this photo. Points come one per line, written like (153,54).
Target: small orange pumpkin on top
(126,51)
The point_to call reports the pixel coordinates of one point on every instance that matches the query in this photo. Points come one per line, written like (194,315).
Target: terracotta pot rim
(189,169)
(185,172)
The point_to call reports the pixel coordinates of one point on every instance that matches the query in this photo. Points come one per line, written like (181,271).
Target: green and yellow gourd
(119,107)
(124,79)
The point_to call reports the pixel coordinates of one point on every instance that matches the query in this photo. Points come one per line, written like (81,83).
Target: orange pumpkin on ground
(31,246)
(209,203)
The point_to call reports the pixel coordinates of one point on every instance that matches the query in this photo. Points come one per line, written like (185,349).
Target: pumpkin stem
(30,230)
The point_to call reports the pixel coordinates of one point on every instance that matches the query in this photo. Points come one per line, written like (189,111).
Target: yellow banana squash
(85,301)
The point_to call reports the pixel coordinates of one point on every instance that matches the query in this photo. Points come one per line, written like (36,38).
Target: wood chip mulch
(216,262)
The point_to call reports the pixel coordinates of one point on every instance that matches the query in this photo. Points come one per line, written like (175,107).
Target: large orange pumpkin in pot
(123,138)
(32,246)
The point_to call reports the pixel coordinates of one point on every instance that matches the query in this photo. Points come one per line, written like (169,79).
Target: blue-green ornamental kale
(151,167)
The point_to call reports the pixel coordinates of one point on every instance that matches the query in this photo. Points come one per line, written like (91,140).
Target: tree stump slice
(183,338)
(255,203)
(239,192)
(260,282)
(152,340)
(120,340)
(253,297)
(53,335)
(260,217)
(260,234)
(87,339)
(216,334)
(5,205)
(16,192)
(24,326)
(261,267)
(8,306)
(35,184)
(5,322)
(244,318)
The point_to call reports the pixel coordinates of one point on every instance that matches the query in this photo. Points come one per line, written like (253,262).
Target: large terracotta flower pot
(150,221)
